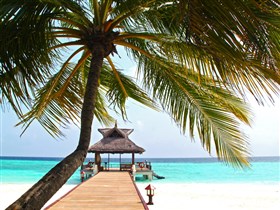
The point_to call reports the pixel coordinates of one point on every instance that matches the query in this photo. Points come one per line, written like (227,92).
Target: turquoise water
(180,170)
(261,171)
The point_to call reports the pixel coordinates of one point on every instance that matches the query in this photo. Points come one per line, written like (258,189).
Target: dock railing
(139,168)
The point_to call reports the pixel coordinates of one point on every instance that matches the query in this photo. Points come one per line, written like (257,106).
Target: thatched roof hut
(115,140)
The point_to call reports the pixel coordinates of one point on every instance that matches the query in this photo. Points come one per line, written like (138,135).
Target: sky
(154,131)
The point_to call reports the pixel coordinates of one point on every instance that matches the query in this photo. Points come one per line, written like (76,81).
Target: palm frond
(23,25)
(216,41)
(232,69)
(120,88)
(53,110)
(213,110)
(58,103)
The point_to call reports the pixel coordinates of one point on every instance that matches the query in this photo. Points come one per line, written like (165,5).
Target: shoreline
(180,196)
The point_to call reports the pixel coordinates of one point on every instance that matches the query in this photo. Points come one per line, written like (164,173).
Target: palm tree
(196,60)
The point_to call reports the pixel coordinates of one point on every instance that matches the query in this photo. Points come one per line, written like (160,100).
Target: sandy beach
(214,196)
(183,196)
(10,192)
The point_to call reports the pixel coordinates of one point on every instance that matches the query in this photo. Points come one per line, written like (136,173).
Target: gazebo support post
(133,167)
(120,161)
(108,161)
(97,160)
(133,157)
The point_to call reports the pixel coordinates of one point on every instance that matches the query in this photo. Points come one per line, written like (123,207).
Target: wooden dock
(106,191)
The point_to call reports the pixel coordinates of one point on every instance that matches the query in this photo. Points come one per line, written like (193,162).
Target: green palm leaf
(199,104)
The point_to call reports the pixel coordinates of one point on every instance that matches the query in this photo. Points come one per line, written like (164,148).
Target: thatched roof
(115,140)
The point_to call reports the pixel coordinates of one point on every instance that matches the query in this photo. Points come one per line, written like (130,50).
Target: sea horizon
(175,170)
(139,157)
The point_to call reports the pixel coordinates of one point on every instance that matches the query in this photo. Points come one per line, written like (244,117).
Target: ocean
(264,170)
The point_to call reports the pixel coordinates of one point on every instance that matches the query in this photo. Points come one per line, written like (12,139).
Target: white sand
(214,196)
(10,192)
(184,196)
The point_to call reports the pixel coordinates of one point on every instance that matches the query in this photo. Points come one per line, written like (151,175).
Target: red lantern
(150,193)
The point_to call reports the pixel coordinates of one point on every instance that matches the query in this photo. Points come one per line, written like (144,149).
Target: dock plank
(106,191)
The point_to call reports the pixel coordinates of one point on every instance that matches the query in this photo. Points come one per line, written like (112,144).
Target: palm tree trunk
(46,187)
